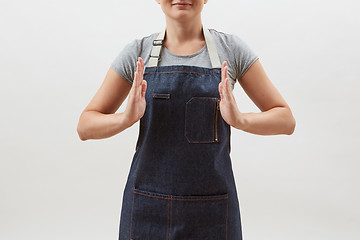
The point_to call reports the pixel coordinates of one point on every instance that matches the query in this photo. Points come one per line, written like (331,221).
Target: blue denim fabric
(181,184)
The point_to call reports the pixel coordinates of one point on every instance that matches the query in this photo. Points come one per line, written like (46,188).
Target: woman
(181,184)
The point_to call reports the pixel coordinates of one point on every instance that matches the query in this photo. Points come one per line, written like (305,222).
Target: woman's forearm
(278,120)
(96,125)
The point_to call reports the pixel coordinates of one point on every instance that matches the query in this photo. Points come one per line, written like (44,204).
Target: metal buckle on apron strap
(157,42)
(159,58)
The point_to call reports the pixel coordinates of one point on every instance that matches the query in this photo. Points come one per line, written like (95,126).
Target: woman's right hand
(136,104)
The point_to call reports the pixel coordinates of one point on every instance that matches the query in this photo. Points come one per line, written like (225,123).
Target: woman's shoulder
(235,50)
(232,44)
(219,33)
(142,42)
(227,39)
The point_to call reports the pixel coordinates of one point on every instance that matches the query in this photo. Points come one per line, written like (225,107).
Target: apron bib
(181,184)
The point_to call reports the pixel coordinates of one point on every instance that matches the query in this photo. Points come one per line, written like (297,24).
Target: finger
(136,73)
(139,68)
(229,86)
(226,71)
(228,89)
(221,91)
(231,93)
(225,89)
(142,66)
(135,85)
(132,90)
(141,75)
(144,86)
(223,71)
(135,81)
(138,80)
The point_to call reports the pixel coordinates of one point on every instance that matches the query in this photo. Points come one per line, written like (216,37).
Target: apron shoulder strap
(211,46)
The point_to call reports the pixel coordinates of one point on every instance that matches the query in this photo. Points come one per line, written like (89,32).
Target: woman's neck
(181,33)
(184,38)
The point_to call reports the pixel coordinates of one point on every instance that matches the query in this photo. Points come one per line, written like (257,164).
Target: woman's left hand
(228,108)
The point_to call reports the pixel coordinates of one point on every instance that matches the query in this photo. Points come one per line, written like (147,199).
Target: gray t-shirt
(230,48)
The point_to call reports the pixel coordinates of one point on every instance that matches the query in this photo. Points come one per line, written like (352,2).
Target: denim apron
(181,184)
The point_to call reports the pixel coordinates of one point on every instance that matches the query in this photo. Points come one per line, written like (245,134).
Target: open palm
(136,104)
(228,107)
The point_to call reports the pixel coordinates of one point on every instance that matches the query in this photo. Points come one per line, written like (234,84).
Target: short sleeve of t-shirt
(239,53)
(125,62)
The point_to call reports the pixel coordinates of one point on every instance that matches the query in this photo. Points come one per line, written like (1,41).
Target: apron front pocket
(149,215)
(202,120)
(161,216)
(199,217)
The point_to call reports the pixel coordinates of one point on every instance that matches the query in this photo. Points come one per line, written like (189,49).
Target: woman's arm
(98,119)
(275,116)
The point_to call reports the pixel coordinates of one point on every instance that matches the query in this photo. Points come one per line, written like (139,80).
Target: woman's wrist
(241,121)
(125,121)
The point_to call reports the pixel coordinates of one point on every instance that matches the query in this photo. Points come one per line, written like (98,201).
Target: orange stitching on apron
(215,123)
(161,95)
(167,227)
(205,141)
(226,221)
(220,122)
(185,121)
(132,207)
(151,195)
(168,231)
(183,199)
(185,72)
(170,216)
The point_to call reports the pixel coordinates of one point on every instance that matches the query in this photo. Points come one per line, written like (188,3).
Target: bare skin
(183,37)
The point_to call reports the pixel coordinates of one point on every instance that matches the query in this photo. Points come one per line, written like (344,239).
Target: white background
(54,56)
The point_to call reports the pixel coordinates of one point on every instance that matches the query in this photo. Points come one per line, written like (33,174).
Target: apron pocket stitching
(170,217)
(200,219)
(180,197)
(189,129)
(132,208)
(226,220)
(149,215)
(161,95)
(195,215)
(168,227)
(150,194)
